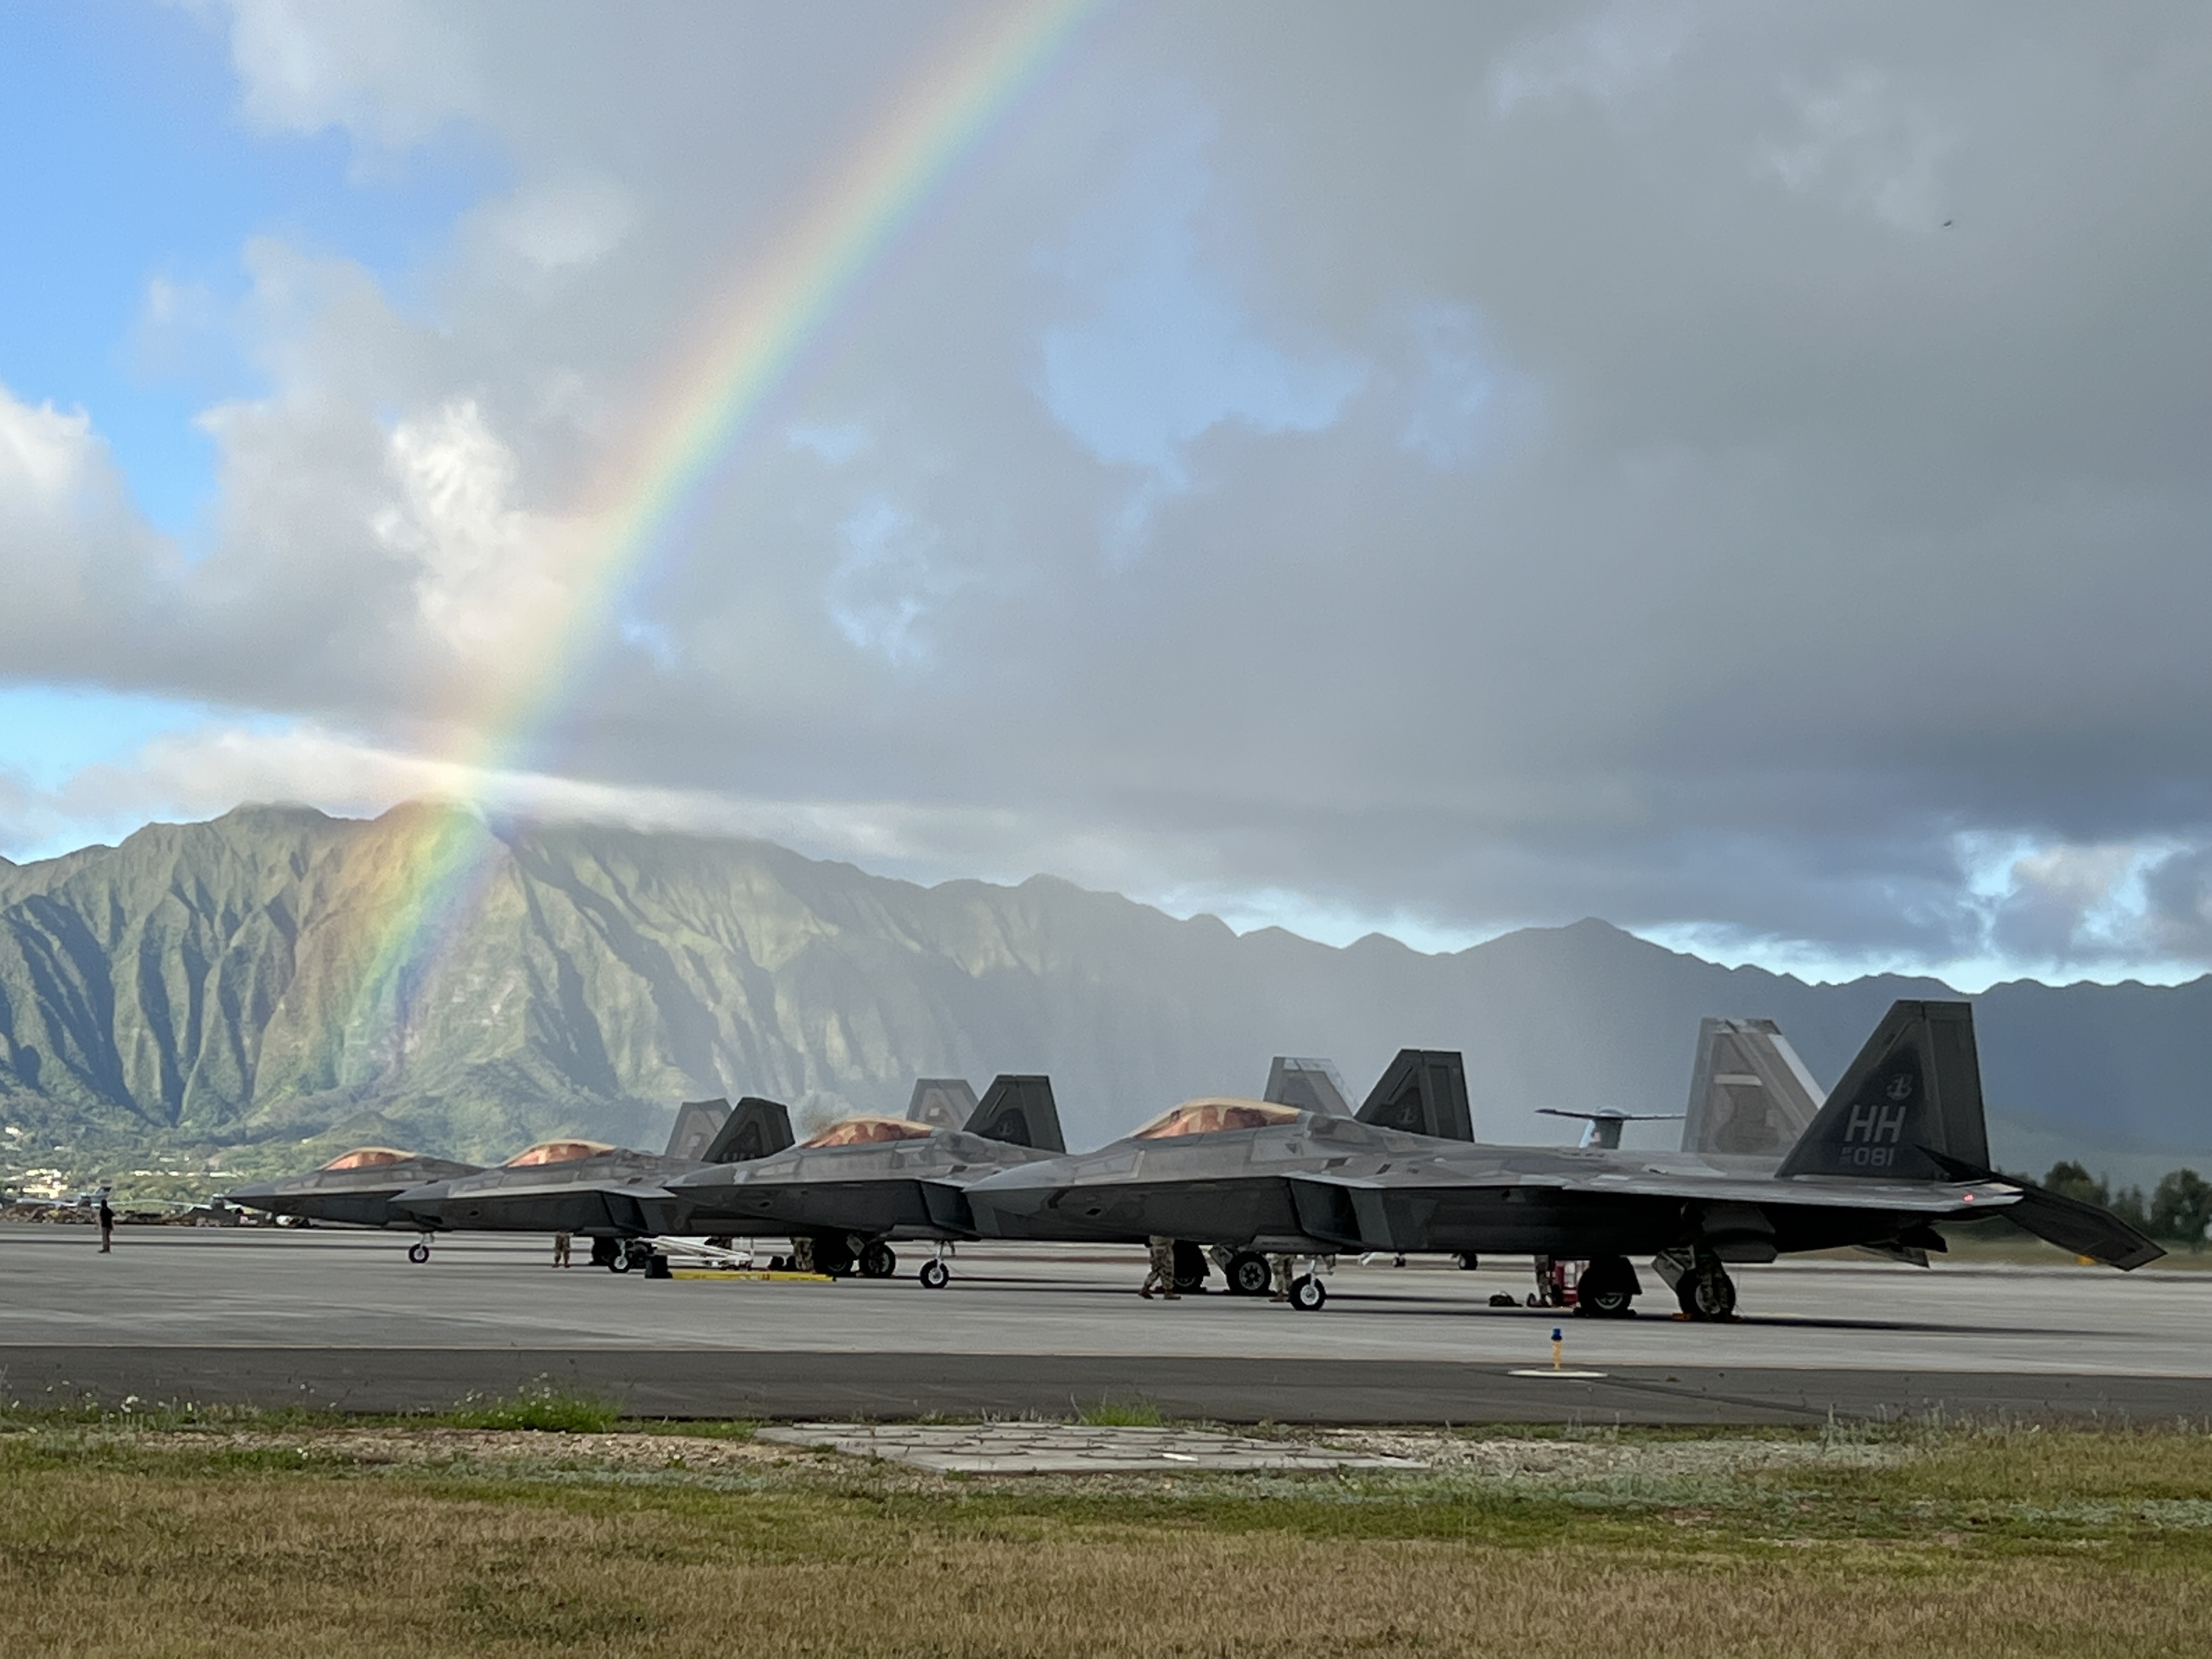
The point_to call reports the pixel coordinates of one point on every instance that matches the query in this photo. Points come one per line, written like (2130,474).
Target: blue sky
(128,165)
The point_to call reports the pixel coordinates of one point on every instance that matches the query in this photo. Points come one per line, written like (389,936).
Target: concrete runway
(342,1319)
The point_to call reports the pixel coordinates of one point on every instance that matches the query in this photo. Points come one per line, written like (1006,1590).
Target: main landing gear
(1702,1289)
(878,1260)
(1607,1289)
(1248,1273)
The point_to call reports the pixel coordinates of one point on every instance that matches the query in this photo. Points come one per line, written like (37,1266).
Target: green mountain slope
(225,992)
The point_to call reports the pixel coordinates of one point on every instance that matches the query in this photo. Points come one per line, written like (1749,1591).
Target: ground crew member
(1162,1269)
(106,1226)
(560,1250)
(1280,1269)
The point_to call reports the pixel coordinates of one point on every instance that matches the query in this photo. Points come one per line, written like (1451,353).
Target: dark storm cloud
(1709,466)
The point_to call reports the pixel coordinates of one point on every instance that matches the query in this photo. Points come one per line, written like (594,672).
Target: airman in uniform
(1162,1269)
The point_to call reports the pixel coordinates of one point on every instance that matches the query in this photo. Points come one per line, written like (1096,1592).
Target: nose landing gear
(935,1274)
(419,1251)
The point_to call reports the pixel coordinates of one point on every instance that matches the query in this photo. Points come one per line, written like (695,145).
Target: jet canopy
(555,1152)
(367,1157)
(1205,1117)
(866,1131)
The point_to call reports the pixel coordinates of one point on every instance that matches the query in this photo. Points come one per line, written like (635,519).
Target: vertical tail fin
(1020,1111)
(1423,1091)
(697,1123)
(755,1128)
(1909,1108)
(1311,1085)
(1749,1093)
(942,1102)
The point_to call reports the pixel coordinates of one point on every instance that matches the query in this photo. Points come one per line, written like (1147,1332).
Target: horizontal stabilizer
(1423,1091)
(1311,1085)
(755,1128)
(1601,1127)
(942,1102)
(2069,1223)
(1019,1110)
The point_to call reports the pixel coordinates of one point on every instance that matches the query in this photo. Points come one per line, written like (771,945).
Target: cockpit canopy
(865,1131)
(557,1152)
(367,1157)
(1205,1117)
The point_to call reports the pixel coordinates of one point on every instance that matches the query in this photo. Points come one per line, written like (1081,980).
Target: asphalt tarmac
(342,1319)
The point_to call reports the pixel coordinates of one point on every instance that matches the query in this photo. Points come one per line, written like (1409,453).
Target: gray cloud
(1472,465)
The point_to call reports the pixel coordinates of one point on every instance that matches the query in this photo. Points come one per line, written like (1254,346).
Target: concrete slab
(1069,1448)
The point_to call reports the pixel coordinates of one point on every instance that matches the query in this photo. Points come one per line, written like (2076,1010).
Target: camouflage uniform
(1162,1268)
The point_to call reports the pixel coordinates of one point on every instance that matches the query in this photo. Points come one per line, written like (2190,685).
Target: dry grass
(354,1542)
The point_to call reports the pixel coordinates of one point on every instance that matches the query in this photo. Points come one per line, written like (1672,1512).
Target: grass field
(255,1536)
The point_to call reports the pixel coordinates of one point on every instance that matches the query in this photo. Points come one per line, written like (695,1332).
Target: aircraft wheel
(935,1275)
(418,1252)
(1191,1268)
(1468,1261)
(1709,1294)
(618,1262)
(1307,1293)
(604,1252)
(1607,1289)
(1247,1273)
(878,1260)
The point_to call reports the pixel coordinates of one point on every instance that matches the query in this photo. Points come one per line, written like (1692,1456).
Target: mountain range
(251,991)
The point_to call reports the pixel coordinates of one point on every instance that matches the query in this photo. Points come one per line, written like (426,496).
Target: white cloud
(48,460)
(1605,57)
(1877,152)
(392,73)
(488,578)
(554,224)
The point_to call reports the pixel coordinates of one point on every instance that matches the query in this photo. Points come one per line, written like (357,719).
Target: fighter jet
(1898,1146)
(611,1194)
(844,1195)
(354,1189)
(1421,1093)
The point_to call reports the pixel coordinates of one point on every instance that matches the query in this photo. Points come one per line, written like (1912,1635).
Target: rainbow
(751,335)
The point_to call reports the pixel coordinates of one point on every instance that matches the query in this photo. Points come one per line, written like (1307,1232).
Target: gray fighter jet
(354,1189)
(615,1196)
(1899,1146)
(842,1196)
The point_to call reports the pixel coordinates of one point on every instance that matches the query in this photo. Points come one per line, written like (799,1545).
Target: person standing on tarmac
(1162,1270)
(106,1225)
(560,1250)
(1279,1277)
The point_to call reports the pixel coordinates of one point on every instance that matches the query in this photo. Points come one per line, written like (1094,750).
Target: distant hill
(214,991)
